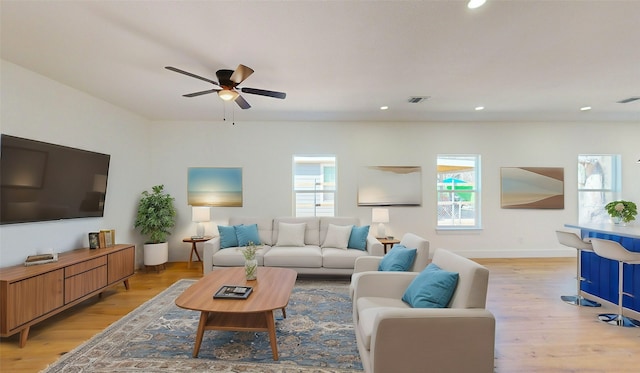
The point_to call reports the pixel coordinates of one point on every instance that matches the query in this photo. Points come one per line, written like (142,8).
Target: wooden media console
(31,294)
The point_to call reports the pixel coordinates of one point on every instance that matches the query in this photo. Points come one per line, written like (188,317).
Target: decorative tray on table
(233,292)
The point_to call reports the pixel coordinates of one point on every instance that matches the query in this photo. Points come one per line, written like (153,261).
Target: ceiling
(340,60)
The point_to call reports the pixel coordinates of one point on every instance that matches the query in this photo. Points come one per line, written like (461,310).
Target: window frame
(454,198)
(588,209)
(321,194)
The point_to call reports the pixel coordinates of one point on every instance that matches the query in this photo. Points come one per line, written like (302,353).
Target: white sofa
(311,258)
(393,337)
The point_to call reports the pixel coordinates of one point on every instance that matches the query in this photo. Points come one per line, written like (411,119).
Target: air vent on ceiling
(418,99)
(628,100)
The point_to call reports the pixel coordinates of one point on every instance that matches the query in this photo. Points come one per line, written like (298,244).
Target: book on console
(233,292)
(41,259)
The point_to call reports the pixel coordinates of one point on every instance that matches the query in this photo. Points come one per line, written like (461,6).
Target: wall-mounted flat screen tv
(42,181)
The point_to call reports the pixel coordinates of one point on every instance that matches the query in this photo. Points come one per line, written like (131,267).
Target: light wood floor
(536,331)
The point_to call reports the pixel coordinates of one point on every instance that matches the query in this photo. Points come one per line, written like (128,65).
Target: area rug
(317,336)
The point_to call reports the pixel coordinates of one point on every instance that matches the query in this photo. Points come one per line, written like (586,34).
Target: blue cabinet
(602,274)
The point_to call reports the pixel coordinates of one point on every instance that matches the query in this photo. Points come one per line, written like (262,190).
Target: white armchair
(371,263)
(393,337)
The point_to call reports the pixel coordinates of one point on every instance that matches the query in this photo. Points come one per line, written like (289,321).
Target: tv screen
(42,181)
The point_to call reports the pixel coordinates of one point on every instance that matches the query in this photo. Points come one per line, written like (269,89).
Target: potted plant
(156,215)
(622,211)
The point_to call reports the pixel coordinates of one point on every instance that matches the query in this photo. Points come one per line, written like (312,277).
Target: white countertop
(632,230)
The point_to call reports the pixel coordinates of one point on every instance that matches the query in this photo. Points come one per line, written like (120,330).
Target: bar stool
(614,251)
(572,240)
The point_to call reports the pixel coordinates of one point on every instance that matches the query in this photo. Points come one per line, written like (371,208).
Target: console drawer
(87,265)
(87,282)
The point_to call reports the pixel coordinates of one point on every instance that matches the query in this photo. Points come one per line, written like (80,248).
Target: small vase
(616,219)
(251,269)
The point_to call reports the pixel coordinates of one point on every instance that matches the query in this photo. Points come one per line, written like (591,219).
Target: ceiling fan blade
(194,94)
(263,92)
(242,102)
(190,74)
(241,73)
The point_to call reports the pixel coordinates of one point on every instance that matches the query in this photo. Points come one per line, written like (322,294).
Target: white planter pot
(156,253)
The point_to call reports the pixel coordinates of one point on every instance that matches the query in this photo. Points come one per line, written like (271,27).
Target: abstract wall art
(532,187)
(390,186)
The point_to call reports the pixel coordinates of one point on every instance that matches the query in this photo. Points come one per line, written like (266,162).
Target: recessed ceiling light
(384,107)
(478,108)
(473,4)
(585,108)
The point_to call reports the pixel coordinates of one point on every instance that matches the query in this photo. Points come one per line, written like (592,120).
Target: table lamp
(380,216)
(200,214)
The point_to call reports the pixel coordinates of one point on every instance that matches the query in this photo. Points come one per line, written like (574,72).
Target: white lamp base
(381,231)
(200,230)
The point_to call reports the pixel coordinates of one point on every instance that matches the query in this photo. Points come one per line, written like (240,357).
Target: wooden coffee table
(271,291)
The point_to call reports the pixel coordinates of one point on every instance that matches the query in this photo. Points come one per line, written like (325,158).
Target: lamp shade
(200,214)
(379,215)
(227,94)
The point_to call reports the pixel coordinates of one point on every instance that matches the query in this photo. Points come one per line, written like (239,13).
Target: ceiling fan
(228,81)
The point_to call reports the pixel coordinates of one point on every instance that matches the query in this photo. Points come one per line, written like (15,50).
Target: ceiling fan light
(227,94)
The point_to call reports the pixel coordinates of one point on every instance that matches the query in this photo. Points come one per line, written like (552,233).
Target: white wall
(38,108)
(35,107)
(265,151)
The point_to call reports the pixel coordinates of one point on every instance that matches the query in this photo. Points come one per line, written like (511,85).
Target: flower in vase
(249,252)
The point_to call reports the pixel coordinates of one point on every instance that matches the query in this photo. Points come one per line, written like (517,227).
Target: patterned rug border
(181,364)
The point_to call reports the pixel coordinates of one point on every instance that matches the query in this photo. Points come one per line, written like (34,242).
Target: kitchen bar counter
(602,274)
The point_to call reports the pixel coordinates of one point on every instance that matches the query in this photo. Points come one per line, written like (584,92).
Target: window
(598,184)
(458,191)
(314,185)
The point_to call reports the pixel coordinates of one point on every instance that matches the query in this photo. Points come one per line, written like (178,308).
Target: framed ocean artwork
(214,186)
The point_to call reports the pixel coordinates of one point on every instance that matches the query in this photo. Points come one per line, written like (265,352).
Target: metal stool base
(579,301)
(619,320)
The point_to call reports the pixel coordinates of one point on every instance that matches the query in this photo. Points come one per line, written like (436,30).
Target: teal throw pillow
(358,238)
(247,233)
(399,259)
(432,288)
(228,236)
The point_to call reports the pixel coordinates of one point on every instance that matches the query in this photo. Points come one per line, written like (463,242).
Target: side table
(194,241)
(387,242)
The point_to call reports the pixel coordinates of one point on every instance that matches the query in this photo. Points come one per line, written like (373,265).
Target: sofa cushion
(300,257)
(399,259)
(432,288)
(265,226)
(358,237)
(325,221)
(228,237)
(233,257)
(311,233)
(291,234)
(246,234)
(337,236)
(368,308)
(340,258)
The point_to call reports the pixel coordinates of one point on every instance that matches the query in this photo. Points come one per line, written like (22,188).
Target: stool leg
(579,300)
(618,319)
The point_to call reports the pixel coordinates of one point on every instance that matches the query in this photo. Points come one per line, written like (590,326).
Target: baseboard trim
(529,253)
